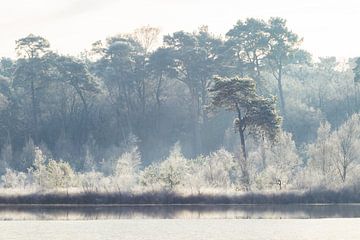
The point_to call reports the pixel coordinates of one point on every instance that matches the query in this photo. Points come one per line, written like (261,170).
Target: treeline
(88,110)
(332,168)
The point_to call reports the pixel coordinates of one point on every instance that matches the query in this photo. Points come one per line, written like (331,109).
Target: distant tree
(161,66)
(7,67)
(356,71)
(31,72)
(9,119)
(247,46)
(76,74)
(283,45)
(121,67)
(147,37)
(194,57)
(255,114)
(28,155)
(77,83)
(6,157)
(32,46)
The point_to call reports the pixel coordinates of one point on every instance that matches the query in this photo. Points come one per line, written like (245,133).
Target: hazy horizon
(73,25)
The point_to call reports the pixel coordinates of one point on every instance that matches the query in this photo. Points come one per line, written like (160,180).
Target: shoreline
(344,196)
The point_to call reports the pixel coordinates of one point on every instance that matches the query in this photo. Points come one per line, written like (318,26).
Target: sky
(328,27)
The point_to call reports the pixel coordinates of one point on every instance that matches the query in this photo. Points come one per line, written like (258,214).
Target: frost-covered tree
(59,174)
(334,156)
(38,170)
(127,169)
(150,177)
(220,169)
(196,172)
(13,179)
(254,113)
(346,144)
(321,153)
(282,163)
(173,169)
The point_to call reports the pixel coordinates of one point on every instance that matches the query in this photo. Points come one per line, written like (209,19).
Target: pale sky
(329,27)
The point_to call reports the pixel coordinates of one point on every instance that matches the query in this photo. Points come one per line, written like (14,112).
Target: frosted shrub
(306,179)
(268,178)
(214,171)
(195,174)
(52,174)
(281,163)
(219,169)
(173,169)
(38,170)
(59,174)
(150,177)
(92,181)
(13,179)
(127,170)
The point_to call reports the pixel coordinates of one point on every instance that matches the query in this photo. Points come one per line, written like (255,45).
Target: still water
(96,212)
(179,222)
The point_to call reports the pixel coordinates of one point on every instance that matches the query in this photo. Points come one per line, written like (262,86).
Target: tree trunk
(34,112)
(281,93)
(241,129)
(158,101)
(84,117)
(243,162)
(197,148)
(83,100)
(143,97)
(242,140)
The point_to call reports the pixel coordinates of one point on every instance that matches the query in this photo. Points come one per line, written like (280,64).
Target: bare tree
(346,144)
(147,36)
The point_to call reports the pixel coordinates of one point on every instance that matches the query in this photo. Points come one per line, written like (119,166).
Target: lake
(110,212)
(185,222)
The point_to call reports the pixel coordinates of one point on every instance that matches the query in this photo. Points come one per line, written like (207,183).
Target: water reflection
(36,212)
